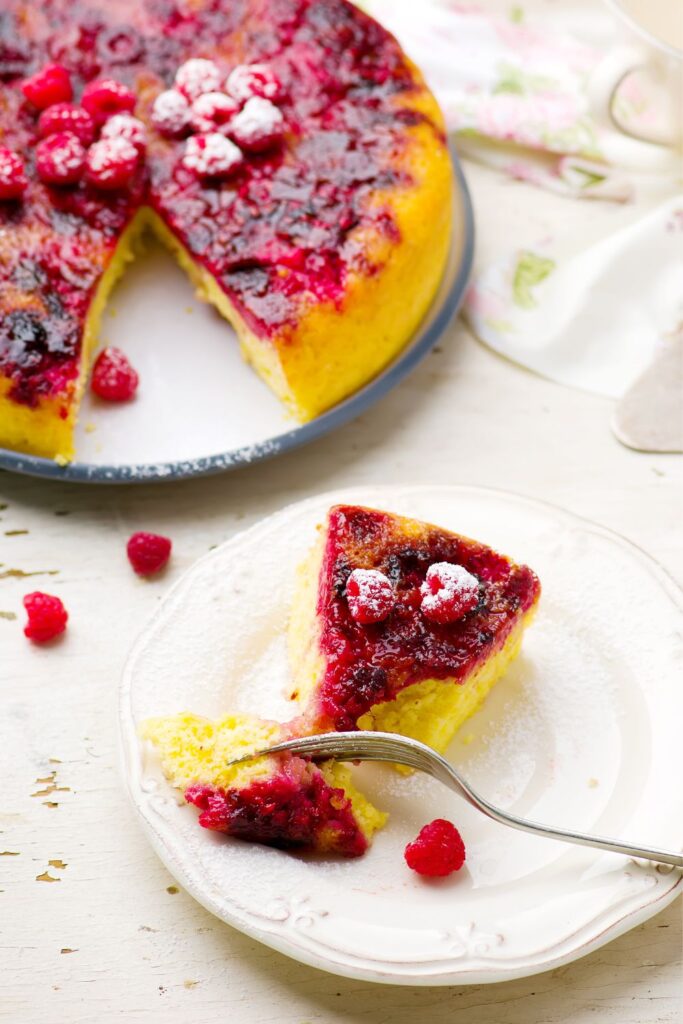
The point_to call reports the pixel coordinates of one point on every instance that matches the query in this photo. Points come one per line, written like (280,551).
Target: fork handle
(454,781)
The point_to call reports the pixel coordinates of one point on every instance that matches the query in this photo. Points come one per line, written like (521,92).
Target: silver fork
(384,746)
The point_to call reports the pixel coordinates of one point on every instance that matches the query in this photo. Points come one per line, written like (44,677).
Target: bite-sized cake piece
(282,801)
(288,153)
(402,626)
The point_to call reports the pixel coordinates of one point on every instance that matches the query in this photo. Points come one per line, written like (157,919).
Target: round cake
(287,152)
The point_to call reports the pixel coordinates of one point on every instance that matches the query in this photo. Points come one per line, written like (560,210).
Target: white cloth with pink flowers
(513,85)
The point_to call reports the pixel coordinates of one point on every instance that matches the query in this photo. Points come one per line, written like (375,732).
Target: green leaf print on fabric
(531,269)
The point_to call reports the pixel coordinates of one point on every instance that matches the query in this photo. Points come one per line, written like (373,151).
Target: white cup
(640,49)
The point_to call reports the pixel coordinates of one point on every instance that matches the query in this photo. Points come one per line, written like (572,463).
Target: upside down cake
(286,151)
(397,625)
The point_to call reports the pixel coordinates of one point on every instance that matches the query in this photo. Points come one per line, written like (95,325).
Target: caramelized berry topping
(370,595)
(197,76)
(106,97)
(47,617)
(52,84)
(438,850)
(171,113)
(258,126)
(148,553)
(211,110)
(60,159)
(67,117)
(247,80)
(12,177)
(212,155)
(448,592)
(113,378)
(111,163)
(125,126)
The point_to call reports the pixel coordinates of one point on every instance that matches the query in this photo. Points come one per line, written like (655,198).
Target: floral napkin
(512,81)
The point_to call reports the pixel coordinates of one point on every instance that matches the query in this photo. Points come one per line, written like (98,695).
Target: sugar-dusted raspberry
(113,378)
(258,126)
(448,592)
(105,97)
(247,80)
(67,117)
(125,126)
(212,155)
(171,112)
(370,595)
(111,163)
(60,159)
(13,180)
(148,552)
(47,617)
(52,84)
(197,76)
(211,110)
(437,851)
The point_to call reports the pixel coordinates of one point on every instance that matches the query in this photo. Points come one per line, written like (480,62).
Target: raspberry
(67,117)
(258,126)
(105,97)
(148,552)
(113,378)
(60,159)
(171,112)
(448,592)
(212,109)
(211,155)
(247,80)
(52,84)
(47,617)
(125,126)
(197,76)
(12,178)
(437,851)
(370,595)
(111,163)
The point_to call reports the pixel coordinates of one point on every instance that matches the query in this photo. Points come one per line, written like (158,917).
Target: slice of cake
(282,801)
(402,626)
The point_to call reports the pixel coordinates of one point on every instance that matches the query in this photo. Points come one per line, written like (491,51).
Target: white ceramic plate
(583,732)
(189,363)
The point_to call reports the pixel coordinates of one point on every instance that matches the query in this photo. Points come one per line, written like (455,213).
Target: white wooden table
(91,925)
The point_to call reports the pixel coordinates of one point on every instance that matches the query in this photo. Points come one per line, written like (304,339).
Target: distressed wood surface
(92,927)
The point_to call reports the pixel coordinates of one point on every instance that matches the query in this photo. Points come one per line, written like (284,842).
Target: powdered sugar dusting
(171,112)
(211,155)
(448,592)
(197,76)
(259,123)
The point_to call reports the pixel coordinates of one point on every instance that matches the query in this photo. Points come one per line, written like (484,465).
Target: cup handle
(620,146)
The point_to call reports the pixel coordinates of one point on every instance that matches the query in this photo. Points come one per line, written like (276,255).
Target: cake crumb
(62,460)
(593,783)
(66,949)
(468,739)
(57,864)
(47,877)
(90,428)
(189,984)
(172,889)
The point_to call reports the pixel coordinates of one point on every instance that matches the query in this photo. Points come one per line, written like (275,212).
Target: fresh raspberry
(105,97)
(47,617)
(247,80)
(111,163)
(60,159)
(448,592)
(212,155)
(370,595)
(52,84)
(13,180)
(171,113)
(125,126)
(212,109)
(437,851)
(67,117)
(197,76)
(148,552)
(113,378)
(258,126)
